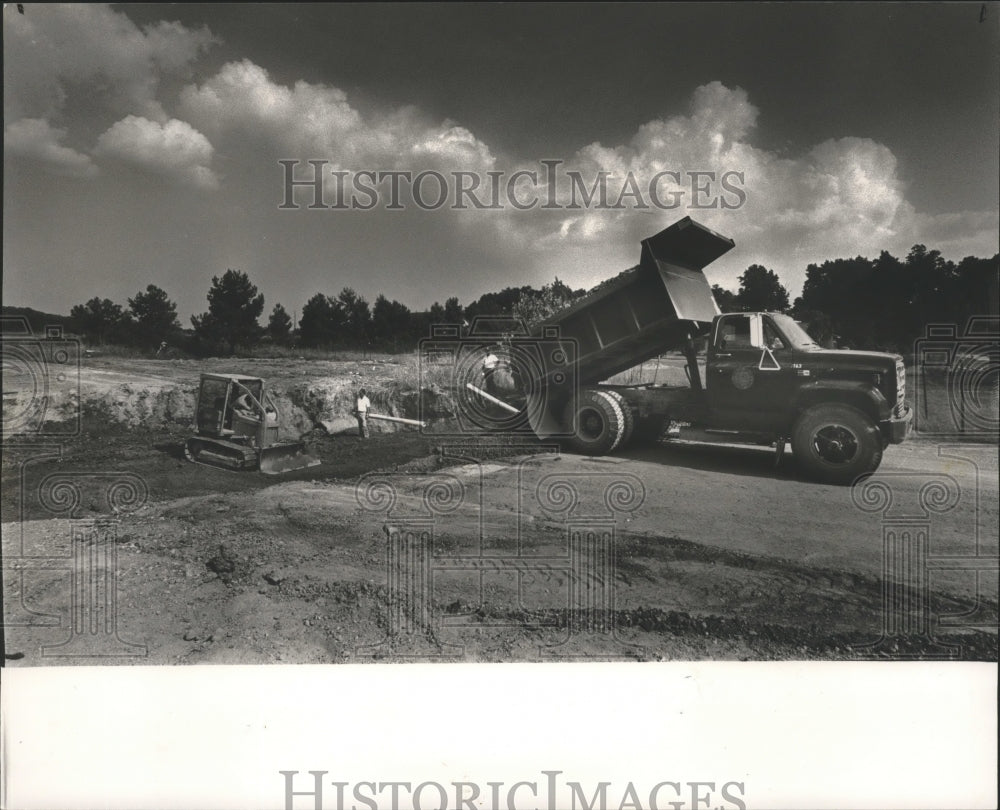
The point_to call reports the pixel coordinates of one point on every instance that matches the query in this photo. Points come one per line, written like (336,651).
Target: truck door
(748,387)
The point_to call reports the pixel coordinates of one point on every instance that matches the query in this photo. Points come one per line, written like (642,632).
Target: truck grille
(897,412)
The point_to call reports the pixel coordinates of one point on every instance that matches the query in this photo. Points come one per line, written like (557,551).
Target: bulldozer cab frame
(221,414)
(237,427)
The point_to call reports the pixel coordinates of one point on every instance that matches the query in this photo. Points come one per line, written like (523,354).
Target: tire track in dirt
(308,585)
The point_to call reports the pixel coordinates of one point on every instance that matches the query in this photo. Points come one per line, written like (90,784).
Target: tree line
(884,303)
(344,321)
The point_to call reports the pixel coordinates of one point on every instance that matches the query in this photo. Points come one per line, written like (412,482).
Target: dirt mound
(134,406)
(331,400)
(163,395)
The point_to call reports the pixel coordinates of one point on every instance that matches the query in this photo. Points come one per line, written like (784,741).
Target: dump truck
(238,428)
(764,381)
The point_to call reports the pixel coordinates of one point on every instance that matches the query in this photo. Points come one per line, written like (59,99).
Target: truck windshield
(796,335)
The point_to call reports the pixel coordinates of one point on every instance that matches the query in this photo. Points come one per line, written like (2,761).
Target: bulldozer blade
(284,458)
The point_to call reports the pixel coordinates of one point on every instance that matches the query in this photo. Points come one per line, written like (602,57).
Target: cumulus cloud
(453,146)
(722,111)
(33,138)
(88,65)
(308,121)
(713,136)
(173,48)
(242,99)
(174,149)
(58,50)
(839,197)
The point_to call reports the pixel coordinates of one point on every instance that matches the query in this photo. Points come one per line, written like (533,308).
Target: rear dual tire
(598,422)
(629,428)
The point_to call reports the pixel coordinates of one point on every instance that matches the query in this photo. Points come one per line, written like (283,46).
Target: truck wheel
(597,421)
(629,417)
(836,444)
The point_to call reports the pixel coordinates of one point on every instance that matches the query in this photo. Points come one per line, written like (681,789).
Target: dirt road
(417,545)
(671,551)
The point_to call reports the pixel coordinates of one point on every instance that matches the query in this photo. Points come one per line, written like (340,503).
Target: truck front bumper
(894,429)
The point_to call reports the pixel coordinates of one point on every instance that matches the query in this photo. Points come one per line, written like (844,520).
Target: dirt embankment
(135,417)
(150,395)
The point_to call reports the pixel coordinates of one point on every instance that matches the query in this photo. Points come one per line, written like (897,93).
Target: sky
(142,142)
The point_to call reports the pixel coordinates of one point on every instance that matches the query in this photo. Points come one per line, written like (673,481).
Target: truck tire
(836,443)
(597,422)
(629,418)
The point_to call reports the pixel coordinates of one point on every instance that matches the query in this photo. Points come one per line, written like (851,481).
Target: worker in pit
(490,364)
(361,406)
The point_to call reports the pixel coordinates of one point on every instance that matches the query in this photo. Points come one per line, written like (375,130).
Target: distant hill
(14,317)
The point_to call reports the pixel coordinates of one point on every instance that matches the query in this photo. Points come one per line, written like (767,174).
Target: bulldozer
(238,427)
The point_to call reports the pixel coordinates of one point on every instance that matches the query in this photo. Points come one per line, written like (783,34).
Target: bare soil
(717,554)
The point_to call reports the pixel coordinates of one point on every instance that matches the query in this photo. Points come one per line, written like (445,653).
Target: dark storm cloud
(531,78)
(147,152)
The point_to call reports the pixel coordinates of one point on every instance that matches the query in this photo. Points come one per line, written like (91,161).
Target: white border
(816,735)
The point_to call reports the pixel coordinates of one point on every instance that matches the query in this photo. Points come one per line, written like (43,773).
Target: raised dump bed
(649,309)
(656,306)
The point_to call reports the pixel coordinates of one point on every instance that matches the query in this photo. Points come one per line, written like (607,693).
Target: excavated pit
(134,417)
(103,402)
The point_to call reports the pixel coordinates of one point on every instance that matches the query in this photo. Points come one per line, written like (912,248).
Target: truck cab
(763,369)
(839,408)
(765,380)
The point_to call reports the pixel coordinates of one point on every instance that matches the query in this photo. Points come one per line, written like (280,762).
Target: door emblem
(743,378)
